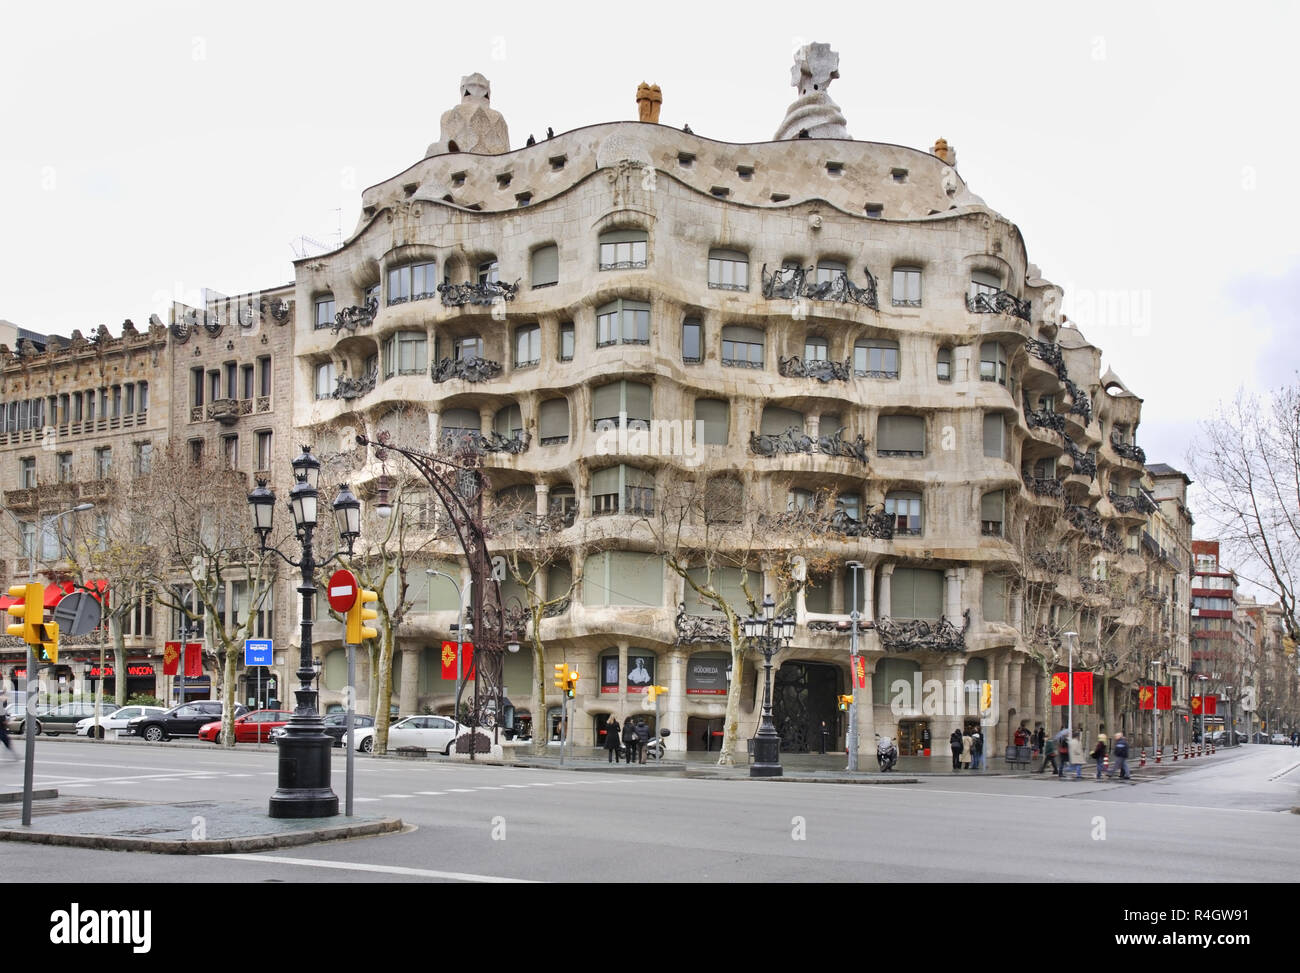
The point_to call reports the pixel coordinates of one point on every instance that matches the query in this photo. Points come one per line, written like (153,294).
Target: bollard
(1175,756)
(1143,761)
(1158,752)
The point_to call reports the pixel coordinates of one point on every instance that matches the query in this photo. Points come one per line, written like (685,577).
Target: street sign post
(257,652)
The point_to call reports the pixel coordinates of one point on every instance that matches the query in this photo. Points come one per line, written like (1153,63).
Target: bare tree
(1247,461)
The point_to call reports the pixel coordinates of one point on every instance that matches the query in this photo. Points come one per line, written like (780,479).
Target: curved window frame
(905,286)
(907,510)
(741,350)
(993,362)
(626,249)
(728,270)
(868,353)
(623,322)
(415,281)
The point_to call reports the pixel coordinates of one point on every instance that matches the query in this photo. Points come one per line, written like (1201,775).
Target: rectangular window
(27,472)
(907,287)
(994,598)
(728,270)
(553,422)
(742,346)
(468,347)
(103,462)
(324,382)
(399,285)
(489,272)
(995,436)
(129,408)
(232,380)
(143,461)
(875,358)
(214,386)
(196,452)
(246,381)
(692,341)
(230,451)
(546,266)
(566,341)
(528,346)
(623,578)
(992,512)
(712,421)
(901,436)
(623,250)
(324,313)
(65,467)
(623,322)
(993,363)
(264,376)
(916,593)
(142,400)
(905,511)
(405,353)
(264,450)
(816,349)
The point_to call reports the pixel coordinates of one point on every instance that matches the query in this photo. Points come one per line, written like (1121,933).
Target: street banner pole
(29,737)
(347,725)
(852,737)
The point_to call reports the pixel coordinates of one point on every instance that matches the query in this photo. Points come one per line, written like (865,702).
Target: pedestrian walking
(1099,753)
(976,750)
(1022,736)
(1120,752)
(965,751)
(629,740)
(642,738)
(612,742)
(1062,743)
(1076,754)
(4,723)
(1046,748)
(955,743)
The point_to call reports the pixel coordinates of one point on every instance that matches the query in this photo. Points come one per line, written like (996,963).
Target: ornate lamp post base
(304,783)
(767,754)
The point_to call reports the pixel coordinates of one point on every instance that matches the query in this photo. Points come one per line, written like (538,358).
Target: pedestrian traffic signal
(358,615)
(845,703)
(47,634)
(562,675)
(571,683)
(30,610)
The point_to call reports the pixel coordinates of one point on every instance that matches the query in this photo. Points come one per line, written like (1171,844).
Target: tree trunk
(228,699)
(537,702)
(119,659)
(727,757)
(385,701)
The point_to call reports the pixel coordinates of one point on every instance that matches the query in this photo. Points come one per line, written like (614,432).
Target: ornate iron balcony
(1042,419)
(1127,450)
(1045,486)
(351,318)
(353,388)
(471,369)
(483,294)
(497,443)
(1048,353)
(877,523)
(1094,586)
(1125,504)
(694,629)
(790,283)
(999,302)
(921,635)
(794,440)
(1080,405)
(823,371)
(1083,463)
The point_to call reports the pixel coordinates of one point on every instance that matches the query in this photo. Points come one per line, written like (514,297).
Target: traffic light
(47,635)
(571,686)
(31,611)
(986,696)
(562,675)
(655,692)
(845,703)
(358,615)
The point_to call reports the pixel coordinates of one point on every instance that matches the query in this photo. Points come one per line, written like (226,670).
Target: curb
(14,797)
(265,842)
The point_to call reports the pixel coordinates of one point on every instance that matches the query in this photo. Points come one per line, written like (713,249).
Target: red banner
(1060,690)
(1165,697)
(449,660)
(1196,705)
(1083,688)
(860,672)
(1147,697)
(171,657)
(193,660)
(1211,705)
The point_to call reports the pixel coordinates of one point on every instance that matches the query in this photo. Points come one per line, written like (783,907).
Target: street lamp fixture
(304,749)
(768,632)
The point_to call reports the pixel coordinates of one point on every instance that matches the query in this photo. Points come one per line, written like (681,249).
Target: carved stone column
(837,593)
(543,491)
(952,595)
(886,574)
(410,690)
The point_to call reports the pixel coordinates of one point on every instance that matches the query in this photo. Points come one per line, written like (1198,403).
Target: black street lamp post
(304,750)
(768,632)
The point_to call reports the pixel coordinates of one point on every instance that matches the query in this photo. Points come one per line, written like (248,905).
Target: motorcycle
(886,753)
(655,749)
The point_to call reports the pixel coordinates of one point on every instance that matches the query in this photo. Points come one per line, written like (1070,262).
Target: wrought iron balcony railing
(483,294)
(357,316)
(694,629)
(1084,464)
(1042,419)
(791,283)
(353,388)
(470,369)
(1127,450)
(1084,519)
(1080,405)
(1048,353)
(920,634)
(795,440)
(999,302)
(820,369)
(1045,486)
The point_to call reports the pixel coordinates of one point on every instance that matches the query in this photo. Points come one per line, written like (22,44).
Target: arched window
(509,422)
(728,270)
(712,421)
(546,266)
(943,365)
(984,282)
(623,249)
(742,346)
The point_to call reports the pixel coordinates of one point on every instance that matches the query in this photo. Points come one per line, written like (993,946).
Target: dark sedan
(181,721)
(334,726)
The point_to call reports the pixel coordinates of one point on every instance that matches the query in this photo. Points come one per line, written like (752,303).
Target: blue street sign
(257,652)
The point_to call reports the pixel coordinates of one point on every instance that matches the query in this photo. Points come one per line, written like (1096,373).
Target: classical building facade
(820,316)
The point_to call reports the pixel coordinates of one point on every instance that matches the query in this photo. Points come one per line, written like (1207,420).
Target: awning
(6,601)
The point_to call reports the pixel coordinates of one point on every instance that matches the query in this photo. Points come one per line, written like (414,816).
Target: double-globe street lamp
(767,632)
(304,749)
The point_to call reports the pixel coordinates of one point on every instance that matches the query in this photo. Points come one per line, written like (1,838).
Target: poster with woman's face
(641,672)
(609,674)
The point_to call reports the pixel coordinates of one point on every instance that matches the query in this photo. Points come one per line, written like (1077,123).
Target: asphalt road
(1227,818)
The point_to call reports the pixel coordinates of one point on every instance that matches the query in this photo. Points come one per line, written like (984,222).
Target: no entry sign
(342,591)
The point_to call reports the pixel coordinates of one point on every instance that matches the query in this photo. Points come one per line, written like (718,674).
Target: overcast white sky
(154,149)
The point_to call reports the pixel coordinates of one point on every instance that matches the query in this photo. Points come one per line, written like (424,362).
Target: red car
(250,728)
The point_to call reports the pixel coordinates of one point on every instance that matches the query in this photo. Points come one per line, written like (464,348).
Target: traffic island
(192,828)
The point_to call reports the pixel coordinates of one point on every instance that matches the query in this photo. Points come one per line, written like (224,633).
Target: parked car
(54,720)
(426,732)
(185,720)
(253,727)
(1279,738)
(334,726)
(116,721)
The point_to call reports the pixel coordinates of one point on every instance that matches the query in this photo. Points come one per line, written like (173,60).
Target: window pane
(714,414)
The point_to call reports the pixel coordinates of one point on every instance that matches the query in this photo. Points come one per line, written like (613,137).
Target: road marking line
(431,793)
(1283,773)
(366,799)
(460,790)
(381,869)
(516,785)
(489,788)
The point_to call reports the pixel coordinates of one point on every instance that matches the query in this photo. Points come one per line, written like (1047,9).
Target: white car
(427,732)
(115,720)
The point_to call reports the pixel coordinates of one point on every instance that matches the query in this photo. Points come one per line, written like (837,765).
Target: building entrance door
(703,734)
(913,738)
(803,695)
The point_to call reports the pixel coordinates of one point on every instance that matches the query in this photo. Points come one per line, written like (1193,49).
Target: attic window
(503,179)
(685,159)
(745,172)
(410,188)
(524,198)
(722,192)
(780,197)
(834,168)
(875,210)
(457,179)
(368,211)
(448,199)
(476,207)
(557,162)
(900,175)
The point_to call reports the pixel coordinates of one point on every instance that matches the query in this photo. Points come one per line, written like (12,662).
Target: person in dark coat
(955,743)
(629,739)
(612,743)
(642,738)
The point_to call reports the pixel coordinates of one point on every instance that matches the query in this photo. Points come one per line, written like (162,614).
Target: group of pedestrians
(628,741)
(1064,752)
(967,749)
